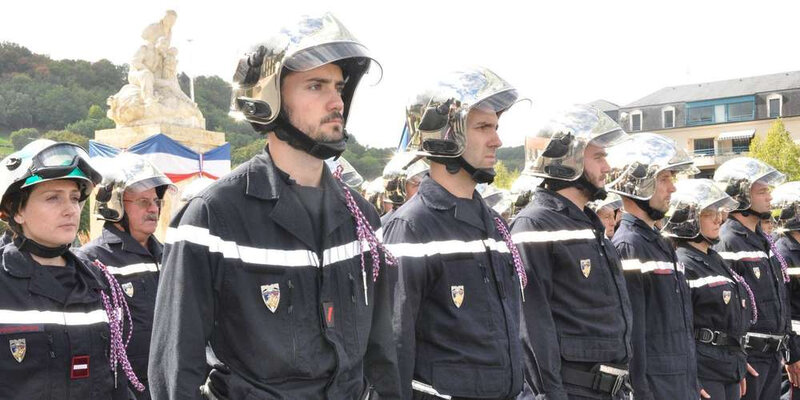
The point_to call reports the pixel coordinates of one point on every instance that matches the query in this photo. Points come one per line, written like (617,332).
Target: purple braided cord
(750,294)
(117,352)
(779,256)
(501,227)
(364,231)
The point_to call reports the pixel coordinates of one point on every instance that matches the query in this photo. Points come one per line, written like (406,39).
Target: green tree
(778,150)
(24,136)
(247,152)
(67,136)
(503,177)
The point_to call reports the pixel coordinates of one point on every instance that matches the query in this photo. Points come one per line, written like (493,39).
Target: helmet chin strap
(582,183)
(652,213)
(479,175)
(748,212)
(299,140)
(37,249)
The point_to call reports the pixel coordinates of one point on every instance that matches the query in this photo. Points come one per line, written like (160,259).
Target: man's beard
(316,133)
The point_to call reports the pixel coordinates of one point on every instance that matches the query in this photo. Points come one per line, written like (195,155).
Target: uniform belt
(765,343)
(602,378)
(427,389)
(717,338)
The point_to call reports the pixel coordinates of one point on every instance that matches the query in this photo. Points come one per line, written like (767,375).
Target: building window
(775,106)
(741,111)
(704,147)
(636,121)
(741,145)
(721,110)
(700,115)
(668,117)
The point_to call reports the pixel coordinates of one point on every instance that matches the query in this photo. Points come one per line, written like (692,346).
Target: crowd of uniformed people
(607,272)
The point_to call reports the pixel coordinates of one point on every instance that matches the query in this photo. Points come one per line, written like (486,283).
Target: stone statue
(153,95)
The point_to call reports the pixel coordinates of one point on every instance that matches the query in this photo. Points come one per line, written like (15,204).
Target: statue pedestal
(199,140)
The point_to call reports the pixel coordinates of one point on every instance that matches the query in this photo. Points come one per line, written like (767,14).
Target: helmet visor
(498,102)
(326,53)
(608,139)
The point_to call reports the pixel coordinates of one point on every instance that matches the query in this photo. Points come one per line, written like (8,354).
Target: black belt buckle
(620,377)
(706,336)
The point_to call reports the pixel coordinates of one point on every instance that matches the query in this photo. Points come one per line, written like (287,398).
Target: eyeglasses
(144,203)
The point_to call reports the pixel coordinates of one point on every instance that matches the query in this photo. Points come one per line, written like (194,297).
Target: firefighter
(785,205)
(577,314)
(643,173)
(748,249)
(401,178)
(458,293)
(275,271)
(609,210)
(722,301)
(59,320)
(129,200)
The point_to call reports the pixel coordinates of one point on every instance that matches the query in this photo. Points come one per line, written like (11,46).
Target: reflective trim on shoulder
(647,266)
(427,389)
(133,269)
(445,247)
(552,236)
(795,326)
(793,271)
(711,281)
(53,317)
(742,255)
(254,255)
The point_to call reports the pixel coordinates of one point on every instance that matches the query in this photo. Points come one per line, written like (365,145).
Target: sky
(555,52)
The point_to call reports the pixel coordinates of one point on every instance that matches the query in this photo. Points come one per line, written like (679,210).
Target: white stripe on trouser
(427,389)
(445,247)
(708,280)
(53,317)
(260,256)
(738,255)
(552,236)
(133,269)
(645,267)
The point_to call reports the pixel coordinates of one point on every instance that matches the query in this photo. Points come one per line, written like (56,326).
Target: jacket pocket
(667,376)
(24,365)
(471,380)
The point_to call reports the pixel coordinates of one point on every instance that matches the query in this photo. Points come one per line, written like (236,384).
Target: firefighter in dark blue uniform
(786,208)
(54,325)
(577,314)
(273,277)
(743,244)
(457,299)
(402,176)
(663,364)
(129,199)
(722,300)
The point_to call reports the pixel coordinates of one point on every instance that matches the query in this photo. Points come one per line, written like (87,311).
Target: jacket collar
(112,235)
(756,238)
(265,181)
(21,265)
(650,234)
(436,197)
(791,243)
(555,201)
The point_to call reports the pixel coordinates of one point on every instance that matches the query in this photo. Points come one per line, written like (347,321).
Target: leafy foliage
(778,150)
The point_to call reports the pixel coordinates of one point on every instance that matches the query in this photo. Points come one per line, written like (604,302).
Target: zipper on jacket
(353,291)
(290,308)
